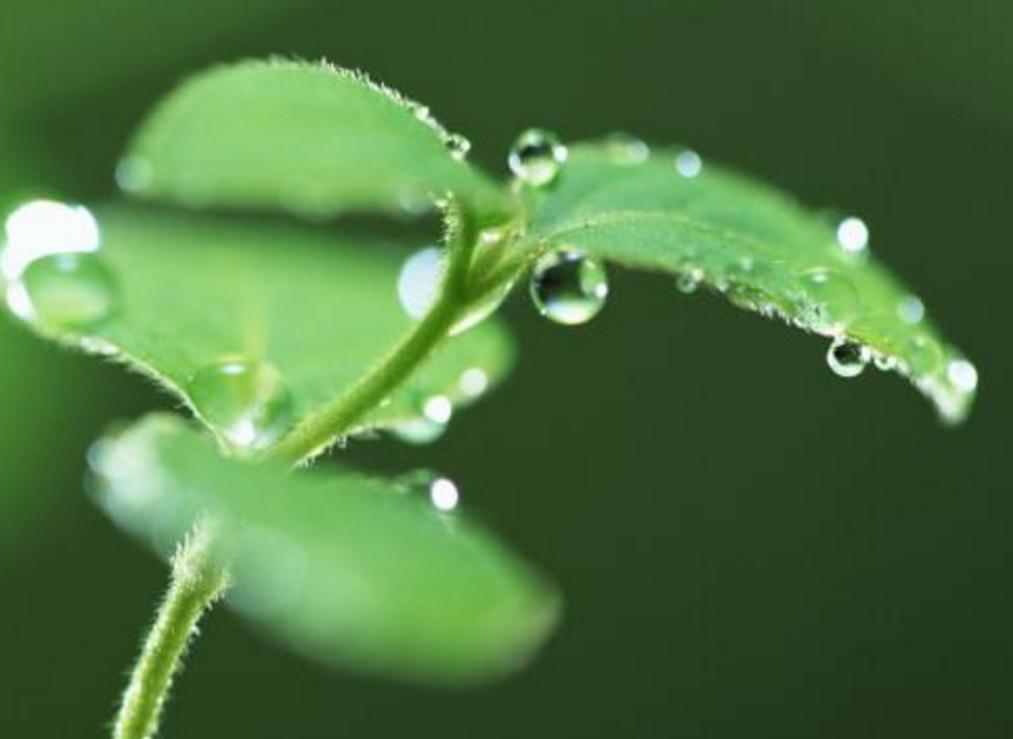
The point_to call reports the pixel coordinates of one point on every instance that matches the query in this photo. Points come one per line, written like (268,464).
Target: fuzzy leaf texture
(255,326)
(345,569)
(752,243)
(307,138)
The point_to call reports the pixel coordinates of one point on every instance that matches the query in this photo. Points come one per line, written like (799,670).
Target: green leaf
(750,242)
(345,569)
(254,326)
(308,138)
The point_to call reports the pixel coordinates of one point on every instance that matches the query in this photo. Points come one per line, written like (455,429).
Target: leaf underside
(348,570)
(748,241)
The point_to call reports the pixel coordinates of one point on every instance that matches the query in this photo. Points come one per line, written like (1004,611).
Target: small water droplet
(474,382)
(568,287)
(133,174)
(847,358)
(853,235)
(688,164)
(418,283)
(834,301)
(458,146)
(963,375)
(245,401)
(688,281)
(910,309)
(444,494)
(438,409)
(885,362)
(418,431)
(537,156)
(627,149)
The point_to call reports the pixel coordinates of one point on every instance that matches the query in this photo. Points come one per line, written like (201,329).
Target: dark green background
(749,546)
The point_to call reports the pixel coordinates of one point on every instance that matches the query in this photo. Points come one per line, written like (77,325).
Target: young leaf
(253,326)
(308,138)
(353,571)
(672,213)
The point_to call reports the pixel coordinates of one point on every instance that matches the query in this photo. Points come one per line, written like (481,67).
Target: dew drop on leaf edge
(569,287)
(847,358)
(246,402)
(536,157)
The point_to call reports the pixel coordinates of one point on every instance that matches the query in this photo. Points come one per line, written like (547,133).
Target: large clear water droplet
(458,146)
(847,358)
(536,157)
(568,287)
(418,283)
(246,402)
(834,300)
(65,292)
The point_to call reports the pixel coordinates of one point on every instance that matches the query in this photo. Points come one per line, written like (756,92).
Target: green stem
(196,583)
(337,418)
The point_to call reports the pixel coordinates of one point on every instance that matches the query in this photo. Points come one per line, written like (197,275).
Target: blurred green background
(749,546)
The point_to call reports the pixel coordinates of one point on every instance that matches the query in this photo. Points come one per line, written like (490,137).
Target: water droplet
(536,157)
(65,292)
(418,431)
(689,281)
(963,375)
(133,174)
(885,362)
(438,409)
(627,149)
(568,287)
(458,146)
(444,494)
(847,358)
(246,402)
(853,235)
(418,283)
(834,301)
(474,382)
(688,164)
(910,309)
(41,228)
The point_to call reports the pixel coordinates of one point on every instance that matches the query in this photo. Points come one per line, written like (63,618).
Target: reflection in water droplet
(688,163)
(418,283)
(458,146)
(40,228)
(418,431)
(536,157)
(568,287)
(853,235)
(474,382)
(444,494)
(963,375)
(847,358)
(910,309)
(244,401)
(834,300)
(627,149)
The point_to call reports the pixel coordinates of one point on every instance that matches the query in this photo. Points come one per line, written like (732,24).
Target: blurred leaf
(308,138)
(345,569)
(254,326)
(750,242)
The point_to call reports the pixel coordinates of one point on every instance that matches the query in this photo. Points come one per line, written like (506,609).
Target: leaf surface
(752,243)
(306,138)
(345,569)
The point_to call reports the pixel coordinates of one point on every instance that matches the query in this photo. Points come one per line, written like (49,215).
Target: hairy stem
(196,583)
